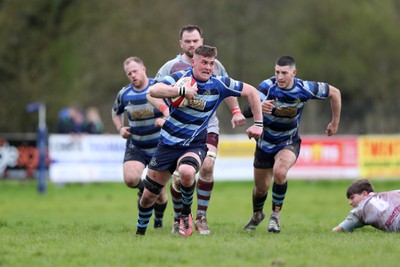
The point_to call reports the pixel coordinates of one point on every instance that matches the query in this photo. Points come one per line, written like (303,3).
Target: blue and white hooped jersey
(281,127)
(141,116)
(188,125)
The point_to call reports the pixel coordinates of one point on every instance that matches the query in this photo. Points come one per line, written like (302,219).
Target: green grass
(94,225)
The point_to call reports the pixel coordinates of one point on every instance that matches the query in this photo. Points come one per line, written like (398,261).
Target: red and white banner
(320,158)
(327,157)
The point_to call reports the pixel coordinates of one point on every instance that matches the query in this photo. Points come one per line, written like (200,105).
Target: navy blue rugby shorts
(264,160)
(166,157)
(133,153)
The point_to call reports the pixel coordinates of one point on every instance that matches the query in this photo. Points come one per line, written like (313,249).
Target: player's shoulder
(302,84)
(171,66)
(172,78)
(314,87)
(167,65)
(299,81)
(219,78)
(182,73)
(309,84)
(218,63)
(225,81)
(173,60)
(124,91)
(268,83)
(125,88)
(391,193)
(219,69)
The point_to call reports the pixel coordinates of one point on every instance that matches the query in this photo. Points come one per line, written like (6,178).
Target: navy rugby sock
(278,196)
(187,198)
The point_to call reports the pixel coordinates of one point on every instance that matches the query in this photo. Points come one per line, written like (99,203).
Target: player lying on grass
(380,210)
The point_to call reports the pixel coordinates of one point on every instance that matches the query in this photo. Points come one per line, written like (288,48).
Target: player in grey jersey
(380,210)
(190,39)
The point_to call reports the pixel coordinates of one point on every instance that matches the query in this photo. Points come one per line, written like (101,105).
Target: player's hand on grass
(337,229)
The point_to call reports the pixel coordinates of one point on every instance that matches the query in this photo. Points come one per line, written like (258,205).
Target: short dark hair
(206,51)
(286,61)
(358,186)
(190,28)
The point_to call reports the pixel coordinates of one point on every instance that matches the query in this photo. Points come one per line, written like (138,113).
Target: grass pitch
(94,225)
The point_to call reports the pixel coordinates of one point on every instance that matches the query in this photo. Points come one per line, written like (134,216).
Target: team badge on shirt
(197,103)
(288,112)
(153,161)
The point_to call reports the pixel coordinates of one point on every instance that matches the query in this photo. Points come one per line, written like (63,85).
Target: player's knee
(207,168)
(282,166)
(152,186)
(260,192)
(131,181)
(191,161)
(280,176)
(162,198)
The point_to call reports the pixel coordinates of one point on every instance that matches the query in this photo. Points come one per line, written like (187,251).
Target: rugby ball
(182,101)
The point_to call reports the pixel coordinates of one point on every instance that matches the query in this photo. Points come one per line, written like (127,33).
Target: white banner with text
(99,158)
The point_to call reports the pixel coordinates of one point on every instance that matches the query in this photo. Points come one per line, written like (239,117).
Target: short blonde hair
(135,59)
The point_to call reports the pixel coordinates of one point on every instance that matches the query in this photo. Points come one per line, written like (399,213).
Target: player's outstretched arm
(336,106)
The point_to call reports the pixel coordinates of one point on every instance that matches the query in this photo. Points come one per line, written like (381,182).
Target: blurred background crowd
(74,119)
